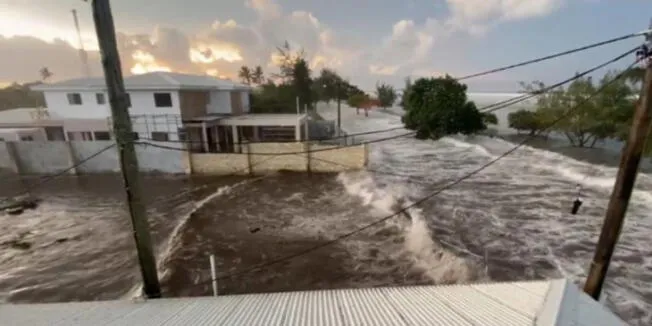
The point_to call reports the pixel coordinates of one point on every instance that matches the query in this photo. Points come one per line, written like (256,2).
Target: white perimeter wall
(52,157)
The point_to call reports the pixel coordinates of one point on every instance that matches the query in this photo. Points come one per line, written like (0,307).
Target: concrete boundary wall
(324,159)
(53,157)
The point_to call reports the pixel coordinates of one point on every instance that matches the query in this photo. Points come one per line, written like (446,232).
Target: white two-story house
(159,102)
(210,114)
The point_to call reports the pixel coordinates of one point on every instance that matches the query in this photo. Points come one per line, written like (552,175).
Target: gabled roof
(148,81)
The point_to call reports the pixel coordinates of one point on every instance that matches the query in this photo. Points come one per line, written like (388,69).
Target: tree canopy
(20,96)
(357,100)
(294,79)
(386,95)
(437,107)
(525,120)
(588,117)
(245,75)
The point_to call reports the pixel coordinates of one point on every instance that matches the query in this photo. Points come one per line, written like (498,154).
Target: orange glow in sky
(210,53)
(145,63)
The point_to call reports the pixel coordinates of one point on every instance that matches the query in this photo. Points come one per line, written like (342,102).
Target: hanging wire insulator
(643,55)
(578,201)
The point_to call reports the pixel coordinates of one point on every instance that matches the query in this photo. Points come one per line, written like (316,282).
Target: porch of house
(226,133)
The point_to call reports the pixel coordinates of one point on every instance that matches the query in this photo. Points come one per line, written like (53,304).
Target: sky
(366,41)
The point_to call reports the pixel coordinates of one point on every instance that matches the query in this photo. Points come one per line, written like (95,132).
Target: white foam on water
(438,264)
(174,240)
(455,141)
(517,210)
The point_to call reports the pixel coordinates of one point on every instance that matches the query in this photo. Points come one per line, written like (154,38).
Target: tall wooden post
(124,138)
(622,191)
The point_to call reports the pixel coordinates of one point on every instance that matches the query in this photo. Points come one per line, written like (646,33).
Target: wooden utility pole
(622,191)
(124,138)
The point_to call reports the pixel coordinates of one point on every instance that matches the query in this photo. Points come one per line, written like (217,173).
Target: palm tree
(245,75)
(258,77)
(45,73)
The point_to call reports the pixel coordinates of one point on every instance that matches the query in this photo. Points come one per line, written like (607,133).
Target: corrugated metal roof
(153,80)
(520,303)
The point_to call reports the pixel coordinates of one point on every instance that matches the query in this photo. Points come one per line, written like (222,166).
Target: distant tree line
(278,93)
(587,118)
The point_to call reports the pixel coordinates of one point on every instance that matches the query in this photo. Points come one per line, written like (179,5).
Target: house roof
(557,302)
(148,81)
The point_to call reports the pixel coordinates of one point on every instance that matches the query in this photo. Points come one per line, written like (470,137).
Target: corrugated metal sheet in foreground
(556,302)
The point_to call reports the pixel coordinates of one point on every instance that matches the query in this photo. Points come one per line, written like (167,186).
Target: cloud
(221,47)
(21,57)
(475,15)
(383,70)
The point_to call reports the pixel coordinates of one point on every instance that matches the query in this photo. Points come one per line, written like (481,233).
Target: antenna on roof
(86,70)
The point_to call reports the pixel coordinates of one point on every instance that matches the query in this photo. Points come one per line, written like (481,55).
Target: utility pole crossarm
(625,179)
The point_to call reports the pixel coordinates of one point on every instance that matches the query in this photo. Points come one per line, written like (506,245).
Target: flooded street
(509,222)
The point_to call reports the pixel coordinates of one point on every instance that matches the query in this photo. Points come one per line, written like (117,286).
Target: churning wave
(509,222)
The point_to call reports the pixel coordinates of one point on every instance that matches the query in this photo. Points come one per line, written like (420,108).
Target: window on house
(163,100)
(86,135)
(74,98)
(160,136)
(2,139)
(182,134)
(135,136)
(102,135)
(26,138)
(101,99)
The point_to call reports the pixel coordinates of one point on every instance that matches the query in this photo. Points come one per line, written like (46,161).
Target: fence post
(306,149)
(71,158)
(213,275)
(250,165)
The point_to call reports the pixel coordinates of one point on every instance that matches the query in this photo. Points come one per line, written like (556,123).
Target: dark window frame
(102,134)
(163,100)
(160,136)
(72,97)
(100,98)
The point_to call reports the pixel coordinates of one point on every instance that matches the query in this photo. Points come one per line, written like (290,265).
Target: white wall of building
(91,116)
(142,102)
(220,102)
(245,102)
(57,102)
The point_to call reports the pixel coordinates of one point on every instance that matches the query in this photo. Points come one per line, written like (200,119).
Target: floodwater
(508,222)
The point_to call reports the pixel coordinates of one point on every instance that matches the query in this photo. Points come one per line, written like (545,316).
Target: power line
(429,196)
(304,141)
(486,109)
(529,95)
(491,108)
(555,55)
(49,178)
(294,153)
